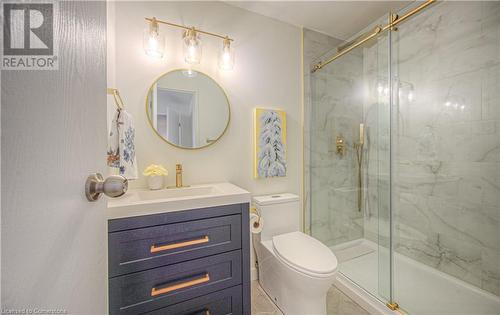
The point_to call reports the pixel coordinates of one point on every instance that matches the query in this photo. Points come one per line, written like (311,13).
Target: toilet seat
(305,254)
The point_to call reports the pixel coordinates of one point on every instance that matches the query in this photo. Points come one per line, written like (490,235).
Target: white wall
(267,74)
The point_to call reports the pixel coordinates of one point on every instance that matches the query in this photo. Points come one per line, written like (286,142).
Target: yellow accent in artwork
(257,130)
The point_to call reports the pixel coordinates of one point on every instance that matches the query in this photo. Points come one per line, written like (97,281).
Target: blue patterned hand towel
(121,145)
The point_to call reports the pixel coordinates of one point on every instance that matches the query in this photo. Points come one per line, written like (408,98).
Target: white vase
(155,182)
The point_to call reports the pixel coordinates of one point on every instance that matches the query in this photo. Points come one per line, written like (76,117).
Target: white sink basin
(144,202)
(144,195)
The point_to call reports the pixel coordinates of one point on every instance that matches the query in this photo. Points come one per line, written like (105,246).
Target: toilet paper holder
(255,211)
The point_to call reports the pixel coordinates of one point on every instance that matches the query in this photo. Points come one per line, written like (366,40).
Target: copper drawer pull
(190,283)
(155,249)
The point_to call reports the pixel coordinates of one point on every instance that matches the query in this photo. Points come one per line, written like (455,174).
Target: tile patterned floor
(337,303)
(261,303)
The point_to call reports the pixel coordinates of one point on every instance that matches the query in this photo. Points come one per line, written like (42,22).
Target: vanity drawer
(224,302)
(152,289)
(150,247)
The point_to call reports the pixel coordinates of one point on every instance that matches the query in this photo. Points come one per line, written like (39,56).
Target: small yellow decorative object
(155,170)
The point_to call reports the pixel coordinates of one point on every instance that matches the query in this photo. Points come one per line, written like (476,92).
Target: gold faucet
(178,175)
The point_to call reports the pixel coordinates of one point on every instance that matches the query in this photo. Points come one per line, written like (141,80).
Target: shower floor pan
(418,288)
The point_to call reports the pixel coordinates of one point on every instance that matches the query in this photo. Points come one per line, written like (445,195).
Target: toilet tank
(280,213)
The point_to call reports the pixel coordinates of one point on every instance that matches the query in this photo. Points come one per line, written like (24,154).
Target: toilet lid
(305,253)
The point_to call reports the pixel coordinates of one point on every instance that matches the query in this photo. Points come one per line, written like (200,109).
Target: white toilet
(295,269)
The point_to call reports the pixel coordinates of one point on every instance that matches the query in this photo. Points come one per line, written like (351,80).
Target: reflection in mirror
(188,109)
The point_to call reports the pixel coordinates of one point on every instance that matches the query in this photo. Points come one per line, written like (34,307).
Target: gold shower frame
(394,20)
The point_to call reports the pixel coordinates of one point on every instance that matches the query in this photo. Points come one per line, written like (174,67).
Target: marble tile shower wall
(337,110)
(344,95)
(447,150)
(315,44)
(376,167)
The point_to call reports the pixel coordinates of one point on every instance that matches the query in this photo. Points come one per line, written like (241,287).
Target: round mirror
(188,109)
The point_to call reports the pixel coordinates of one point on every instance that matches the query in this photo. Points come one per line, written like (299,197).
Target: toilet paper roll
(256,223)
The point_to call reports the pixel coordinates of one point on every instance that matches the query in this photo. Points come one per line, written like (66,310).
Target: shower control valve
(340,144)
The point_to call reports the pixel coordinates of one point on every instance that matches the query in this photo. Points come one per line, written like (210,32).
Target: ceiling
(340,19)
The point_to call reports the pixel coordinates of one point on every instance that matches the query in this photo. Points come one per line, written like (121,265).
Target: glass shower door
(446,157)
(349,163)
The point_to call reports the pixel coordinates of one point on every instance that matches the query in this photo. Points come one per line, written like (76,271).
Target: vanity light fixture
(192,45)
(226,55)
(153,41)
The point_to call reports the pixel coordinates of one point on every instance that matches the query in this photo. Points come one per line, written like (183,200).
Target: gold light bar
(188,28)
(375,33)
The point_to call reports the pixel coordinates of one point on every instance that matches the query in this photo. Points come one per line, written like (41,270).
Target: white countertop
(137,202)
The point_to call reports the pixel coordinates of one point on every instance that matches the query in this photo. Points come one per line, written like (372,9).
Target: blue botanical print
(271,158)
(128,145)
(121,148)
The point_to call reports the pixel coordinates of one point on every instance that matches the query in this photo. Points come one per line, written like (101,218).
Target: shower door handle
(114,186)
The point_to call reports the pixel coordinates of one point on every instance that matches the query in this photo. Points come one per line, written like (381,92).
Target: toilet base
(293,292)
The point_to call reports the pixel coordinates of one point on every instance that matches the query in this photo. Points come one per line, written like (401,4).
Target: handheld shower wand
(359,154)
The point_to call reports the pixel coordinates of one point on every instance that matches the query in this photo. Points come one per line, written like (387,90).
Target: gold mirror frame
(173,144)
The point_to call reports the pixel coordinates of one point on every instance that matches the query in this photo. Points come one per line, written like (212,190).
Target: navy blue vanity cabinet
(179,263)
